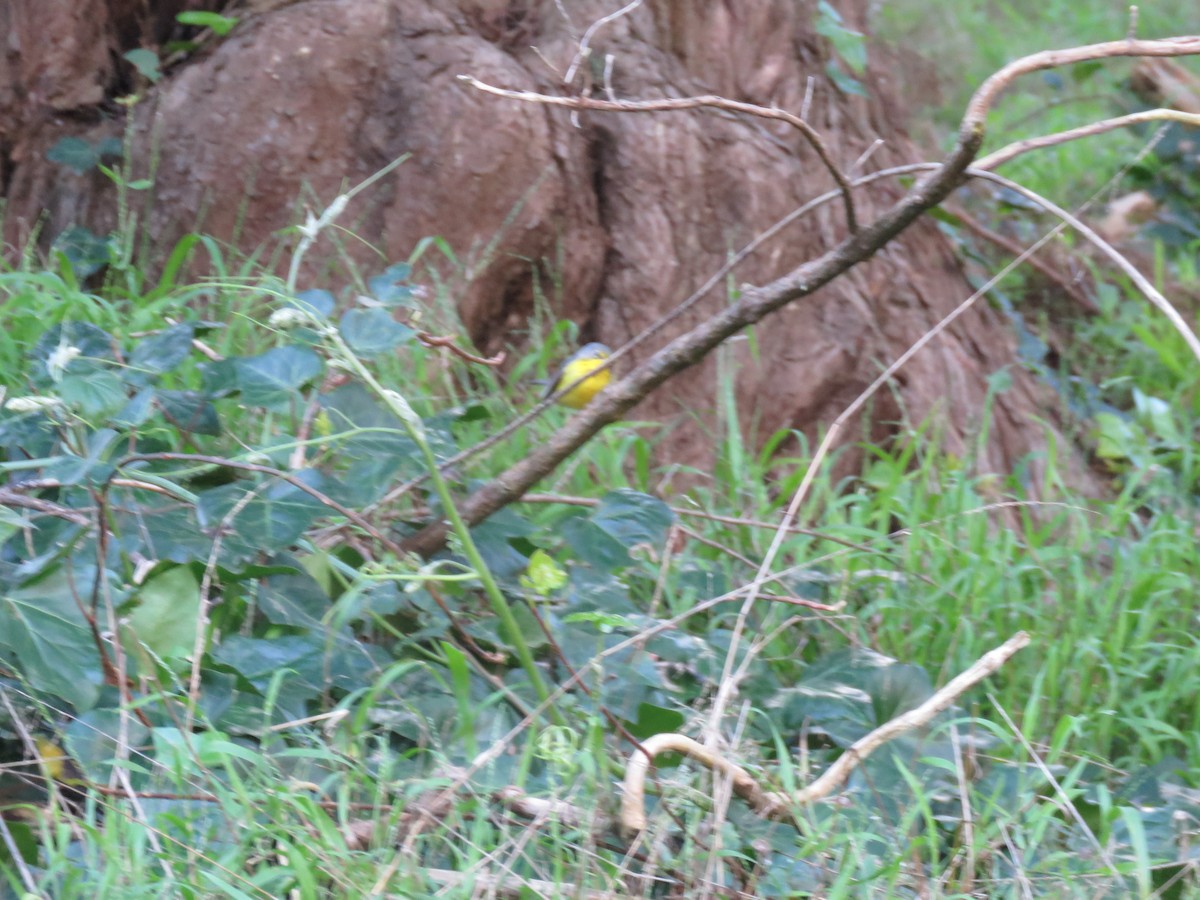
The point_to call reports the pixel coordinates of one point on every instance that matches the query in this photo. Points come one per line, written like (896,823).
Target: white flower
(290,317)
(31,404)
(59,359)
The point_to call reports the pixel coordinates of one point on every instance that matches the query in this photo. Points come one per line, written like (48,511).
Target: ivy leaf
(633,518)
(370,332)
(190,411)
(273,379)
(74,153)
(314,301)
(165,618)
(595,546)
(85,251)
(95,396)
(43,627)
(269,521)
(391,288)
(146,62)
(162,352)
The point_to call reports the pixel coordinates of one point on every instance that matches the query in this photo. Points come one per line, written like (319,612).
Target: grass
(1111,680)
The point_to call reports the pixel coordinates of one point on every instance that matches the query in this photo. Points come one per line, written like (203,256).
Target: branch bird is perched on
(581,365)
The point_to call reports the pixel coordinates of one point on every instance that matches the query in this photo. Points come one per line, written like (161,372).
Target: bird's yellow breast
(581,395)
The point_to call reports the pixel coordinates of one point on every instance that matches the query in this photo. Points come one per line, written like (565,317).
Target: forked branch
(780,805)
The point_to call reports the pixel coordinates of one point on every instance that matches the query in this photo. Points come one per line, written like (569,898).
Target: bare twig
(447,341)
(780,805)
(1004,154)
(672,104)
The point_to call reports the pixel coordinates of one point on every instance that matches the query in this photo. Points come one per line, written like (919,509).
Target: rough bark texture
(616,217)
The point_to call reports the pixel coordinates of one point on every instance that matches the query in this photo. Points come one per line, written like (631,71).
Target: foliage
(205,603)
(199,507)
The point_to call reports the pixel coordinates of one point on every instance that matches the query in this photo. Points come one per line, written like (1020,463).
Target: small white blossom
(59,359)
(289,317)
(31,404)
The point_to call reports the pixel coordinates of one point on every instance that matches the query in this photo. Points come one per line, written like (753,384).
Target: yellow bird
(580,365)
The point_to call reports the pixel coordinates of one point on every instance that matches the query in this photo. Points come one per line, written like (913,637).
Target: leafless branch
(673,104)
(779,805)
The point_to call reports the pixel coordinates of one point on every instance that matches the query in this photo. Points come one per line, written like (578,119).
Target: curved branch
(1004,154)
(780,805)
(677,103)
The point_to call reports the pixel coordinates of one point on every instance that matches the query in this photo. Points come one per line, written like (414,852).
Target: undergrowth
(221,675)
(175,485)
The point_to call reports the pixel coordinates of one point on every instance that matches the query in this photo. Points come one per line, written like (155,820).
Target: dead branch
(779,805)
(1004,154)
(672,104)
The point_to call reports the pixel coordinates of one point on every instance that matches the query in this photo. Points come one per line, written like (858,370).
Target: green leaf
(165,618)
(593,545)
(1115,438)
(86,252)
(633,518)
(848,693)
(850,45)
(160,353)
(95,397)
(136,411)
(74,153)
(845,83)
(146,62)
(294,598)
(83,341)
(91,469)
(370,332)
(543,575)
(220,25)
(271,520)
(42,626)
(653,720)
(273,380)
(10,523)
(190,411)
(315,301)
(391,288)
(169,531)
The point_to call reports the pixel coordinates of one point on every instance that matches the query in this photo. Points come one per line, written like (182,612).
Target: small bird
(580,365)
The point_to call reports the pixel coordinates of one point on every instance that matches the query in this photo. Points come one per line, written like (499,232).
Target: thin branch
(447,341)
(672,104)
(780,805)
(1004,154)
(585,48)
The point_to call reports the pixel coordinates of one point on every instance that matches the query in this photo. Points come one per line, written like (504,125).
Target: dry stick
(1004,154)
(758,302)
(781,805)
(673,104)
(1014,248)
